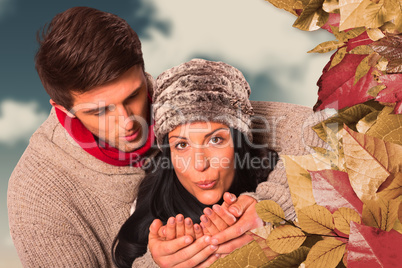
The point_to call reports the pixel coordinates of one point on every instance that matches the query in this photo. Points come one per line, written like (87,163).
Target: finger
(204,229)
(224,214)
(197,252)
(179,225)
(171,229)
(242,203)
(215,219)
(154,228)
(209,225)
(189,228)
(211,259)
(231,232)
(228,247)
(162,251)
(162,231)
(228,199)
(198,231)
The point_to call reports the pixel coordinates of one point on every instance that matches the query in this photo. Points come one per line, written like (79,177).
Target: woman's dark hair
(161,195)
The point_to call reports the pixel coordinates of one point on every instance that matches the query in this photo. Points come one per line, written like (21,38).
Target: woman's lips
(206,185)
(132,136)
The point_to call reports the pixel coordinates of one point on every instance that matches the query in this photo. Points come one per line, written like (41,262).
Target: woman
(202,126)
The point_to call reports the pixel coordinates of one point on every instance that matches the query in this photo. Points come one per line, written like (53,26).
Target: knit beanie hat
(201,90)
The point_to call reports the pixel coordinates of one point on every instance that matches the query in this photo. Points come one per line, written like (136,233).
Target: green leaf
(250,255)
(326,253)
(293,259)
(312,17)
(270,211)
(285,239)
(316,219)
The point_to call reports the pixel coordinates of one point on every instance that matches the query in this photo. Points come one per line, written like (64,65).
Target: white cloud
(18,120)
(252,35)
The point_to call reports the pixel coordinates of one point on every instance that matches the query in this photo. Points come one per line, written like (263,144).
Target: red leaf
(393,91)
(333,20)
(372,247)
(332,189)
(336,85)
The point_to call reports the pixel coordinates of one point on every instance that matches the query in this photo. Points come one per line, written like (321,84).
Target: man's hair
(83,48)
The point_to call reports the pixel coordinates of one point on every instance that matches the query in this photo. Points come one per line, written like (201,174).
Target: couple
(84,167)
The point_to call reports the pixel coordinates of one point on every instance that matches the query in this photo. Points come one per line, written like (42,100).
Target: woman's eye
(100,112)
(216,140)
(181,145)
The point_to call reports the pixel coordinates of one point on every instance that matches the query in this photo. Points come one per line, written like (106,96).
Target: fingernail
(232,197)
(207,238)
(187,240)
(187,221)
(217,255)
(204,219)
(208,211)
(217,208)
(213,247)
(196,227)
(179,218)
(171,220)
(214,241)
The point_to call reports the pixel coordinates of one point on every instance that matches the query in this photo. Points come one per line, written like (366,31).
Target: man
(74,185)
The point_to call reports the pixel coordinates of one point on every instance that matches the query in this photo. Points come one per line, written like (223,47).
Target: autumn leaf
(285,239)
(338,57)
(361,50)
(325,253)
(260,235)
(390,47)
(326,47)
(312,17)
(394,189)
(351,13)
(332,190)
(250,255)
(388,127)
(380,213)
(315,219)
(299,179)
(333,20)
(367,122)
(286,5)
(371,247)
(270,211)
(343,217)
(349,116)
(393,91)
(330,6)
(375,34)
(293,259)
(369,161)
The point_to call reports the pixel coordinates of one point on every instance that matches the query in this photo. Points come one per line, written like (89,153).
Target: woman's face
(203,158)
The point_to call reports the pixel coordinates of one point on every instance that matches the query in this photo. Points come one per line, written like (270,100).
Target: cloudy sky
(251,35)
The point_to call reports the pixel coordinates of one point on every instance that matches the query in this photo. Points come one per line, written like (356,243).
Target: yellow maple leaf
(351,13)
(388,126)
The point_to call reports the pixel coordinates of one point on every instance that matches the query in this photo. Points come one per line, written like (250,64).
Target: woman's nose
(201,161)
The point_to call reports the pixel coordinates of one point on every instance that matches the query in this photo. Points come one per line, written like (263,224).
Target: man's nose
(126,118)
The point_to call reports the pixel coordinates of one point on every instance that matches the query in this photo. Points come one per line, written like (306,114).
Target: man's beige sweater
(65,206)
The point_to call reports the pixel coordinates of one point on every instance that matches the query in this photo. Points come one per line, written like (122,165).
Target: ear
(58,106)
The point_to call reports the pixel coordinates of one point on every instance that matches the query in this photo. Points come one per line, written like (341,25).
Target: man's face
(117,112)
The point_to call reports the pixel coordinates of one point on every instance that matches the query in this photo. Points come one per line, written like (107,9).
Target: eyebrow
(206,136)
(101,108)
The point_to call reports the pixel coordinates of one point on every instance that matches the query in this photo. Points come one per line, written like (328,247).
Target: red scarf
(105,152)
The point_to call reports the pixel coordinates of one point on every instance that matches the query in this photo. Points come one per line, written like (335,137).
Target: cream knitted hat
(201,90)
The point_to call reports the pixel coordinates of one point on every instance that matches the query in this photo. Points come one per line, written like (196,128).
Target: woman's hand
(182,251)
(178,226)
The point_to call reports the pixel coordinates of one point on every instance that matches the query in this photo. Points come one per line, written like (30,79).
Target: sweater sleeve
(146,261)
(46,228)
